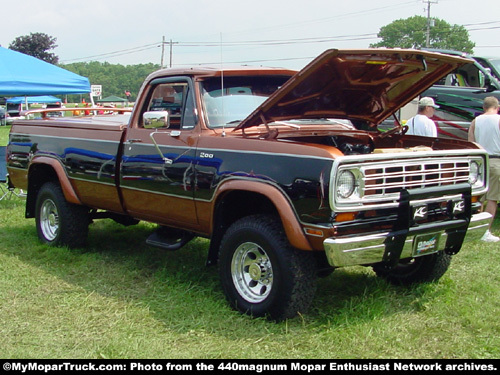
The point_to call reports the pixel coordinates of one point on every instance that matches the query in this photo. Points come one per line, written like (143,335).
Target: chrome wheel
(49,220)
(252,272)
(261,274)
(58,222)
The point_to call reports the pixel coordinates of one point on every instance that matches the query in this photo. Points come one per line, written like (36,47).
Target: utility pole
(171,50)
(427,36)
(171,43)
(162,51)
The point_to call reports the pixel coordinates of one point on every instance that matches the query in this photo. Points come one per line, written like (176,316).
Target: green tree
(36,45)
(412,33)
(114,78)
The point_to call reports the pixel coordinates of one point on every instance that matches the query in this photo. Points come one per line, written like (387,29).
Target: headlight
(346,184)
(474,172)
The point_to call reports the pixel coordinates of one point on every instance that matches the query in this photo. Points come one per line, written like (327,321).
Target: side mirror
(156,119)
(489,85)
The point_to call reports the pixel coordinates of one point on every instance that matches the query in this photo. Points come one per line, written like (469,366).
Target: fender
(291,224)
(67,188)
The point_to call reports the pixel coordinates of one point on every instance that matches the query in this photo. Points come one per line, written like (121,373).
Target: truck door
(157,170)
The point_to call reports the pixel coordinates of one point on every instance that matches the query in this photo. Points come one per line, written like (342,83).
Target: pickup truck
(283,171)
(459,94)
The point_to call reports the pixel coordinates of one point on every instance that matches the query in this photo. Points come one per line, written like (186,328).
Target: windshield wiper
(284,123)
(233,122)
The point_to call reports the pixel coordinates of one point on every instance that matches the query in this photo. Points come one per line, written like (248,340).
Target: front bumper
(407,239)
(371,248)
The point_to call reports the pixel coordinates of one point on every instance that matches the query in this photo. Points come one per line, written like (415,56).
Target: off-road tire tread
(429,268)
(300,276)
(74,219)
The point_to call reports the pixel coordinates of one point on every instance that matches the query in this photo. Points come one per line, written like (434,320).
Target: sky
(257,32)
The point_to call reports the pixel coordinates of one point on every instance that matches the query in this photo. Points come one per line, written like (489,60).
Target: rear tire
(58,222)
(423,269)
(261,274)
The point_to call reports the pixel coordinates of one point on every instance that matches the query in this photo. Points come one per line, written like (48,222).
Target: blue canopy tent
(21,74)
(34,99)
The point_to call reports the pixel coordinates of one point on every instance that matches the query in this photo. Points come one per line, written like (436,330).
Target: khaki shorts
(493,193)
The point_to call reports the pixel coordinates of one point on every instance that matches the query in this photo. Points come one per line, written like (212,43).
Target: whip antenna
(222,88)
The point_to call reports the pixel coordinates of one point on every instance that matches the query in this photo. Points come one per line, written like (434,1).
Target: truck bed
(88,147)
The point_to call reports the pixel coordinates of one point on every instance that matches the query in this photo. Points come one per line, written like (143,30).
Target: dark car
(492,64)
(460,96)
(2,116)
(14,109)
(458,107)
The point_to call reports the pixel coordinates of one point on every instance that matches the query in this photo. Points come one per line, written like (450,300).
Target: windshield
(496,64)
(239,97)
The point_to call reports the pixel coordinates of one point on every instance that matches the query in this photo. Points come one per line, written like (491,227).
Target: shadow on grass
(182,293)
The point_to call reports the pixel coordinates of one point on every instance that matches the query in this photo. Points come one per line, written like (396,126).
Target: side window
(170,106)
(468,75)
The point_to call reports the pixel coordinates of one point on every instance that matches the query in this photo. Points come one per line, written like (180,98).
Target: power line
(118,53)
(211,44)
(485,28)
(278,41)
(227,44)
(333,18)
(480,23)
(261,43)
(307,58)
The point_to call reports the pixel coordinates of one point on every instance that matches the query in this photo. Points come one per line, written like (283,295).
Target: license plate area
(424,244)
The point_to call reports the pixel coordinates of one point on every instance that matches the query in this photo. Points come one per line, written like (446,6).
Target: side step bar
(169,238)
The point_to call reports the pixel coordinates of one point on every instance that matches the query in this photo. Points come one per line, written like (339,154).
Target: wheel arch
(238,198)
(42,170)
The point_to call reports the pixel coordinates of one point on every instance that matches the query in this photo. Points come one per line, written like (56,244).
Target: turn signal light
(345,216)
(314,232)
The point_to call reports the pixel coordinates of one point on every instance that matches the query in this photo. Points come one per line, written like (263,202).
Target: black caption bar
(250,366)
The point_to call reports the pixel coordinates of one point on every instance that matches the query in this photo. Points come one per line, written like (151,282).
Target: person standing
(421,123)
(485,130)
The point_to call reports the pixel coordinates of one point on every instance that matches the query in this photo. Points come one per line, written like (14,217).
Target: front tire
(58,222)
(428,268)
(261,274)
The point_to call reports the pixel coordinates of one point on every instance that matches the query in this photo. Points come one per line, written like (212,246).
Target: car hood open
(367,85)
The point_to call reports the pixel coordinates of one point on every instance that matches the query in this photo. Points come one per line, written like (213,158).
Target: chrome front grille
(387,179)
(375,181)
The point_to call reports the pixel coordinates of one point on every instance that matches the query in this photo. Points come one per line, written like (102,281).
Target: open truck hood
(367,85)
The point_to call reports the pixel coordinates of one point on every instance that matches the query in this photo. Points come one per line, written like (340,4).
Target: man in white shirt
(421,124)
(485,130)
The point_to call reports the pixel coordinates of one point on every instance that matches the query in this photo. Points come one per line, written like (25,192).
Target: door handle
(137,140)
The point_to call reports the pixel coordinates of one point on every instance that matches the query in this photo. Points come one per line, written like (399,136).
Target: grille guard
(405,224)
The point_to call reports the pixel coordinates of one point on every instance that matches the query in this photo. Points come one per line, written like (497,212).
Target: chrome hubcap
(252,272)
(49,220)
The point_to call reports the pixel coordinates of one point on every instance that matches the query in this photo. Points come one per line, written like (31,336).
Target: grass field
(4,135)
(119,298)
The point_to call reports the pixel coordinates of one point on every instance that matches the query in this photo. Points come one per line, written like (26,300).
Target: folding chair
(6,191)
(4,187)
